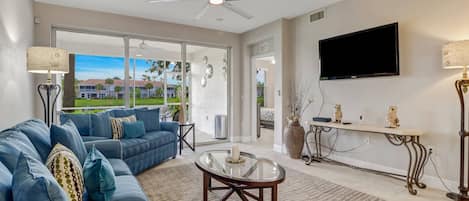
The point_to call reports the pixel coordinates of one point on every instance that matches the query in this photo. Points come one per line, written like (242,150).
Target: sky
(102,67)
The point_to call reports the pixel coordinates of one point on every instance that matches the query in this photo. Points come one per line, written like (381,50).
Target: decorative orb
(203,82)
(209,71)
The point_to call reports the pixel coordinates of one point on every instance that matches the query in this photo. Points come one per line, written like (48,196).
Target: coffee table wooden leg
(261,194)
(206,186)
(274,193)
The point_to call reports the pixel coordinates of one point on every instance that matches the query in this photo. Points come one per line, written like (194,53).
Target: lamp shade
(456,54)
(45,59)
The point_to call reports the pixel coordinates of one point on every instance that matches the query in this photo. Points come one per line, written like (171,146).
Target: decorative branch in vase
(294,133)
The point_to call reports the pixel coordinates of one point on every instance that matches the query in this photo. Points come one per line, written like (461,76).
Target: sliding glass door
(175,75)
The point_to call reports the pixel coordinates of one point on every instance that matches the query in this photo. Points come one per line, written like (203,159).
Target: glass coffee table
(253,173)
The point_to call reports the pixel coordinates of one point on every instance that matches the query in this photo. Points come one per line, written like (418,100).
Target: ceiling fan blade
(161,1)
(202,12)
(237,10)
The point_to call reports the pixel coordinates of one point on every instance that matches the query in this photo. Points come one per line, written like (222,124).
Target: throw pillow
(116,123)
(117,113)
(5,183)
(81,121)
(33,181)
(100,181)
(39,134)
(101,125)
(151,118)
(67,135)
(67,170)
(133,129)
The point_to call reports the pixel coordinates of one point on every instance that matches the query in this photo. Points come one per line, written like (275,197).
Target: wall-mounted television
(367,53)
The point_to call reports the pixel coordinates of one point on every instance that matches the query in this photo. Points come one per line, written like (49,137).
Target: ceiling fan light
(216,2)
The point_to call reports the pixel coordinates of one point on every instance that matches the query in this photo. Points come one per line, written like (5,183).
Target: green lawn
(120,102)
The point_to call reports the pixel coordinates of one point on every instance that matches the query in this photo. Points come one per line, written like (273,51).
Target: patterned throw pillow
(117,128)
(67,170)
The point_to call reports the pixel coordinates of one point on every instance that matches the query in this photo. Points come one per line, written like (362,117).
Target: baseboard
(430,181)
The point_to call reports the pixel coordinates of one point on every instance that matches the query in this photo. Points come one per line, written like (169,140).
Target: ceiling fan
(213,3)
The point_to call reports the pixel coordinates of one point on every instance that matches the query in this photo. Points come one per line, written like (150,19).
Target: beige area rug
(184,183)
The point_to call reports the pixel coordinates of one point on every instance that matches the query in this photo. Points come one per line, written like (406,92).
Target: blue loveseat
(141,153)
(33,138)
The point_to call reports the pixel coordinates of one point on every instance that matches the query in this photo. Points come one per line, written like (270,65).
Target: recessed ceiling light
(273,61)
(216,2)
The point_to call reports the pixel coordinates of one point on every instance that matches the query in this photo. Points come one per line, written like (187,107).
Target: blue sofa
(33,138)
(141,153)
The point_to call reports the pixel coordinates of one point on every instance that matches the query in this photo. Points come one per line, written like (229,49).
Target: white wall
(77,18)
(424,92)
(16,35)
(211,100)
(277,31)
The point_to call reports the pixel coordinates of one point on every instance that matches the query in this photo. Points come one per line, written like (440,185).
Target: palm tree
(109,82)
(149,86)
(99,87)
(159,92)
(117,89)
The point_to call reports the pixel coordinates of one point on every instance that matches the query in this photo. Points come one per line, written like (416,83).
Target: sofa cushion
(120,167)
(38,133)
(81,121)
(67,135)
(12,143)
(132,147)
(5,183)
(67,170)
(122,113)
(159,138)
(100,180)
(133,129)
(128,189)
(93,138)
(101,125)
(151,118)
(33,181)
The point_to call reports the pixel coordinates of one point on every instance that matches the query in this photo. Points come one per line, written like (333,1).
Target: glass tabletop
(252,170)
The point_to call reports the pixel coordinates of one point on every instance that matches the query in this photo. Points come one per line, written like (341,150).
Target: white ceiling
(184,11)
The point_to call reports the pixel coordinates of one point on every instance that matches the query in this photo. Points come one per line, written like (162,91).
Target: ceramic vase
(294,137)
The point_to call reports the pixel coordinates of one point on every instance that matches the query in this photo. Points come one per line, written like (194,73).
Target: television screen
(367,53)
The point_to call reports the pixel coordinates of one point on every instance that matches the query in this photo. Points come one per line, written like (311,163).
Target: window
(96,78)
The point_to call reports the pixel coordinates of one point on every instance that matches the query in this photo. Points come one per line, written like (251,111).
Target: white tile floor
(381,186)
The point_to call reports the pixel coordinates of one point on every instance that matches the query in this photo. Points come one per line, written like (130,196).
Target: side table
(184,130)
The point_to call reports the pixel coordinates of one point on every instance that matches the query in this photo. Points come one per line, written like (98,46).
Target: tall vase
(294,137)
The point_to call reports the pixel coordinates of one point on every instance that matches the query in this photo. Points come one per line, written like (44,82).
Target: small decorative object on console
(338,113)
(322,119)
(392,120)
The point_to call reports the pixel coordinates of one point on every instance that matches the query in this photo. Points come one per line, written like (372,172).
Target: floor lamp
(47,60)
(456,55)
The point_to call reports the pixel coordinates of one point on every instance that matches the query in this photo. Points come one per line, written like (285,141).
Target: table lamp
(456,55)
(48,60)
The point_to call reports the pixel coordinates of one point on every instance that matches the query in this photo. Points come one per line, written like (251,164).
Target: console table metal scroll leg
(417,159)
(312,129)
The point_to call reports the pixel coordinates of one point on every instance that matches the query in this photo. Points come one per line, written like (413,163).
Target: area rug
(184,183)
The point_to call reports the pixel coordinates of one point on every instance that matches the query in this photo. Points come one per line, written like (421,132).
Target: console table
(409,138)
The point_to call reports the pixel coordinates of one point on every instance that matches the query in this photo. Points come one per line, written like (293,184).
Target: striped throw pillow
(67,170)
(117,128)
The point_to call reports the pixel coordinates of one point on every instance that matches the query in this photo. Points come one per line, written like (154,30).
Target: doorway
(265,100)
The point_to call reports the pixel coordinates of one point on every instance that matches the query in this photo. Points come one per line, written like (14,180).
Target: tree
(116,78)
(149,86)
(99,87)
(159,92)
(109,82)
(117,89)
